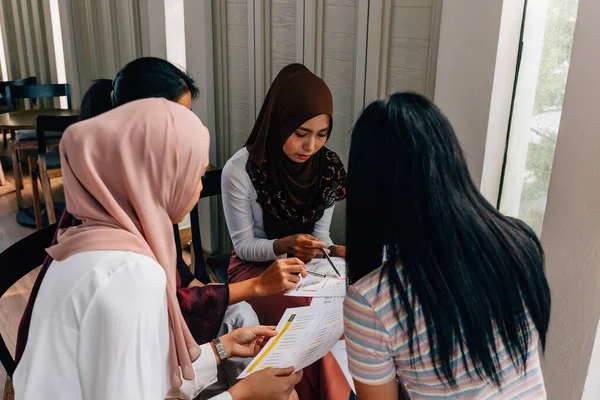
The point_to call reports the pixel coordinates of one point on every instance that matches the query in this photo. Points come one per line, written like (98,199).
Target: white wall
(571,230)
(591,391)
(466,64)
(504,76)
(476,68)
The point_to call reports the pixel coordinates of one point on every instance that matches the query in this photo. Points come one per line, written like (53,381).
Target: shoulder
(107,268)
(136,269)
(368,286)
(333,158)
(374,290)
(129,279)
(108,279)
(238,160)
(235,167)
(335,173)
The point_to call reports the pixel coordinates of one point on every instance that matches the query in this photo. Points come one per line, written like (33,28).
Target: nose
(309,144)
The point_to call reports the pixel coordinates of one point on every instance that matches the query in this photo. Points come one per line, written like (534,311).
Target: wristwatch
(331,250)
(220,349)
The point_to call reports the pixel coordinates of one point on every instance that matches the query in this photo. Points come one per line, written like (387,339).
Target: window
(3,67)
(59,54)
(547,37)
(175,32)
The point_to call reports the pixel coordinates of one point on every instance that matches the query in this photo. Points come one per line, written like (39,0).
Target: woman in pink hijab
(106,323)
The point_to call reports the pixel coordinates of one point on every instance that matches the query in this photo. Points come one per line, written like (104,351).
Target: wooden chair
(4,108)
(27,139)
(17,261)
(219,263)
(47,165)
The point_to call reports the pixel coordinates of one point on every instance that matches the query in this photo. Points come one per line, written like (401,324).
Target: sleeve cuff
(205,368)
(272,255)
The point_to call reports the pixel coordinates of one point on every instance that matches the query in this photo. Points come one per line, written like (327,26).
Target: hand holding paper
(305,335)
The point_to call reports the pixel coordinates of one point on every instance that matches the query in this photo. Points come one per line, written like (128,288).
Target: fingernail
(195,353)
(175,380)
(188,371)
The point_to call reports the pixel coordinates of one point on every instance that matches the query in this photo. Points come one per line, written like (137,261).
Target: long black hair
(96,100)
(475,272)
(141,78)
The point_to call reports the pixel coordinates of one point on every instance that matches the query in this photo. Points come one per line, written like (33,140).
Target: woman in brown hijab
(278,196)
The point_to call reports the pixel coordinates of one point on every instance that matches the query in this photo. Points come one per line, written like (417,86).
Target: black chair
(17,261)
(34,92)
(32,80)
(4,109)
(47,165)
(27,139)
(211,186)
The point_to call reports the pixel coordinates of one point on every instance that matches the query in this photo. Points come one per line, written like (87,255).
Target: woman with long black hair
(460,305)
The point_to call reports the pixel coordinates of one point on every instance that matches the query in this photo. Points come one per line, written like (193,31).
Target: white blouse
(99,330)
(244,215)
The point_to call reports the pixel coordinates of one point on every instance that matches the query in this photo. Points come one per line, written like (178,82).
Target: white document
(339,353)
(322,265)
(324,301)
(315,286)
(306,334)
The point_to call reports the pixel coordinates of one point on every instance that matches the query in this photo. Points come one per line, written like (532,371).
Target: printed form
(314,286)
(322,265)
(306,334)
(340,355)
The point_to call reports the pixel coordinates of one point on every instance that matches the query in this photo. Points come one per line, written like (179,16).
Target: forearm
(386,391)
(242,291)
(255,249)
(281,246)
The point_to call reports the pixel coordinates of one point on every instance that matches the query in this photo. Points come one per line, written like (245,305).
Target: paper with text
(322,265)
(315,286)
(324,301)
(339,353)
(305,334)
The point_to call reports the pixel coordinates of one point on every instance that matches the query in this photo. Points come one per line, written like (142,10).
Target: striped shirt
(378,351)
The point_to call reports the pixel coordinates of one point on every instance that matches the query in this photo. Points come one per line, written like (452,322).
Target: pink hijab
(128,174)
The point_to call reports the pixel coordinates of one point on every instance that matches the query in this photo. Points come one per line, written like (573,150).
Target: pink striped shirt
(378,351)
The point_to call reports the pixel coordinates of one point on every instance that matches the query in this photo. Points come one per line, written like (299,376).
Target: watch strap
(220,349)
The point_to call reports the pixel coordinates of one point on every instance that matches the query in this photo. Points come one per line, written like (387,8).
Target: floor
(13,302)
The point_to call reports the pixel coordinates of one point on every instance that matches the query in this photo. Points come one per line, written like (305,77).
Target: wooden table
(21,120)
(26,119)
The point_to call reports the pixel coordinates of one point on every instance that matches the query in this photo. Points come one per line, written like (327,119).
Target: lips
(303,157)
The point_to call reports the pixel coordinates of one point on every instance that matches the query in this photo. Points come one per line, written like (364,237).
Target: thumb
(264,330)
(282,371)
(294,378)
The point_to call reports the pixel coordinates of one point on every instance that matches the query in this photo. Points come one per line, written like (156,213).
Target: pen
(315,273)
(330,262)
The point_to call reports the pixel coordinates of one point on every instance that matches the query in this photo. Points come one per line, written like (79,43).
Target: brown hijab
(293,195)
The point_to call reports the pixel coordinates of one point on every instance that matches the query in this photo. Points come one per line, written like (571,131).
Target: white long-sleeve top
(244,216)
(99,330)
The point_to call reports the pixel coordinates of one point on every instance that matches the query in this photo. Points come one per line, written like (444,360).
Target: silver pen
(330,262)
(315,273)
